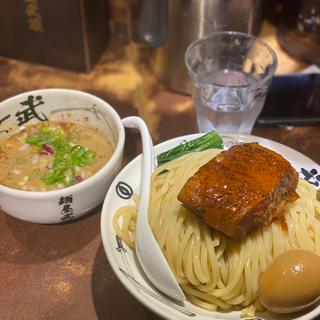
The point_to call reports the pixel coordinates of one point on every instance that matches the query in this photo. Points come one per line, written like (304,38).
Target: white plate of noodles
(219,277)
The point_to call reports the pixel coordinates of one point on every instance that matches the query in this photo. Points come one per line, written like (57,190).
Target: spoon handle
(149,253)
(147,165)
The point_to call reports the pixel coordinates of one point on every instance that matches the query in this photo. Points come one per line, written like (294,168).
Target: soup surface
(52,156)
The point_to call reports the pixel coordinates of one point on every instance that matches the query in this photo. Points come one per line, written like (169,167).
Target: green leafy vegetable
(44,135)
(211,140)
(66,156)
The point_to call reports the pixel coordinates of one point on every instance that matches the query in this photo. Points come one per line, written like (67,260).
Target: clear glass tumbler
(231,73)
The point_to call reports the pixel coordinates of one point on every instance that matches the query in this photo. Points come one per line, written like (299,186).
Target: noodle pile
(214,271)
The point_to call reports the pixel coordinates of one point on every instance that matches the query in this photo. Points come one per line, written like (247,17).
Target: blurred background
(130,53)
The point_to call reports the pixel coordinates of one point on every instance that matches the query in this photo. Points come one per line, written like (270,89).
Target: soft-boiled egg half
(291,283)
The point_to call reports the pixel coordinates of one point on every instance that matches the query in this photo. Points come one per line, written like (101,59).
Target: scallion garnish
(66,155)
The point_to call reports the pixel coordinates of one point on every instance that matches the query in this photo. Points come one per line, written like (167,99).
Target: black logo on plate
(123,190)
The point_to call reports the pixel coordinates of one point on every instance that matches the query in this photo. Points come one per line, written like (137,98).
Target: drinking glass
(231,73)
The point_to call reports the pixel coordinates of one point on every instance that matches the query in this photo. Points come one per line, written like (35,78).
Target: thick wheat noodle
(214,271)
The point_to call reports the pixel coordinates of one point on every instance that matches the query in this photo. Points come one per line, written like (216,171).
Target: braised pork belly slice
(241,190)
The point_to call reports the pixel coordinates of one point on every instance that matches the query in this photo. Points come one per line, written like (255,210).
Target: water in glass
(228,101)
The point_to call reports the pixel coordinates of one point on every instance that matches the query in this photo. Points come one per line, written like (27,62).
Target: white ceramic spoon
(148,251)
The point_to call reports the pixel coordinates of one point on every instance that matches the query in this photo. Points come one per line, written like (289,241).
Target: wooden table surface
(61,271)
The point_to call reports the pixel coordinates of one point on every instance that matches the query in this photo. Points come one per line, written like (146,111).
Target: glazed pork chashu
(241,189)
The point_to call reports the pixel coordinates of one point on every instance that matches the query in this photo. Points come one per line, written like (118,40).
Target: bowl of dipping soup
(59,152)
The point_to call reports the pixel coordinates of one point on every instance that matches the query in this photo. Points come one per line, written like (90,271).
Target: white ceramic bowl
(58,104)
(123,259)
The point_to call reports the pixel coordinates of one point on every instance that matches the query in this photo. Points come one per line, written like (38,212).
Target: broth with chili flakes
(52,156)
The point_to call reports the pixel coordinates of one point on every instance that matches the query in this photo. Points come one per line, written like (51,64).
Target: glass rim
(210,36)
